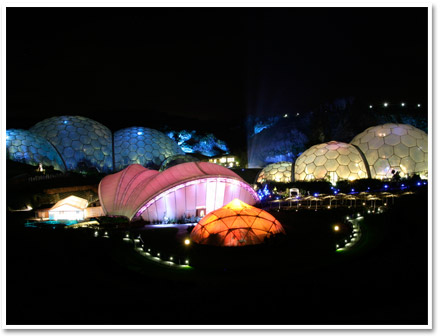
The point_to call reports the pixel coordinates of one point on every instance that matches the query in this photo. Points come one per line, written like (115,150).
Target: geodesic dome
(82,142)
(332,161)
(177,159)
(398,147)
(144,146)
(236,224)
(27,147)
(276,172)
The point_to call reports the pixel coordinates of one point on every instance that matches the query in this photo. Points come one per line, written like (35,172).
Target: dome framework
(332,161)
(236,224)
(25,146)
(399,147)
(81,142)
(144,146)
(276,172)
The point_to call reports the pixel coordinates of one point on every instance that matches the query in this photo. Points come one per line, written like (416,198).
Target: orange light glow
(236,224)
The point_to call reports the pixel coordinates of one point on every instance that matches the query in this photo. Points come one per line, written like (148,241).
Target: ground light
(336,228)
(187,241)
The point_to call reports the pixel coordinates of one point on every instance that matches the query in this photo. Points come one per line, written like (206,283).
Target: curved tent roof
(236,224)
(127,192)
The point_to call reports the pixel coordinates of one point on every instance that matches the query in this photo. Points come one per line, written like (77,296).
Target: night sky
(207,68)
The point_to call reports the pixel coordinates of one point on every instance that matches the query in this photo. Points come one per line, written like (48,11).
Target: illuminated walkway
(354,237)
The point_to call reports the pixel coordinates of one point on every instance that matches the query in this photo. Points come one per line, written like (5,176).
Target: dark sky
(207,67)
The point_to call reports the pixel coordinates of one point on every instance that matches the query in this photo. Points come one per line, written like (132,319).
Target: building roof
(74,201)
(125,192)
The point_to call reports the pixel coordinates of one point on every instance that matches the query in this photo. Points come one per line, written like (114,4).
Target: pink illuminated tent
(236,224)
(186,190)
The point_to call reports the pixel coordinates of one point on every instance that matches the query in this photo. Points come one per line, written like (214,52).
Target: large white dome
(276,172)
(32,149)
(398,147)
(144,146)
(79,140)
(330,161)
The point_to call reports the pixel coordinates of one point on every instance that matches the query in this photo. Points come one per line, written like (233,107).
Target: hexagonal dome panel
(156,147)
(331,161)
(403,149)
(32,149)
(278,172)
(79,152)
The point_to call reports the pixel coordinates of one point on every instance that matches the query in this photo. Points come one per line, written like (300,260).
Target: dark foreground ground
(58,276)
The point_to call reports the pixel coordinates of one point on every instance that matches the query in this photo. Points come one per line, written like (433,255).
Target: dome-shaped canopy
(276,172)
(144,146)
(82,142)
(332,161)
(180,191)
(236,224)
(397,147)
(32,149)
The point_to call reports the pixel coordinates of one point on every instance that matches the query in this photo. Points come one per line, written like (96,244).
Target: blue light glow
(418,183)
(386,186)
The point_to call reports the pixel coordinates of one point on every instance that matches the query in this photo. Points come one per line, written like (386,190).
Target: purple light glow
(224,180)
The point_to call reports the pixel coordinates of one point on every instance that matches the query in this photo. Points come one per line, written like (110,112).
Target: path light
(385,104)
(371,106)
(187,241)
(187,261)
(418,105)
(336,228)
(403,104)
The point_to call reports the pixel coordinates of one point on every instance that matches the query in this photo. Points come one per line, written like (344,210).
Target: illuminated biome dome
(184,191)
(27,147)
(236,224)
(276,172)
(177,159)
(144,146)
(332,161)
(82,142)
(397,147)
